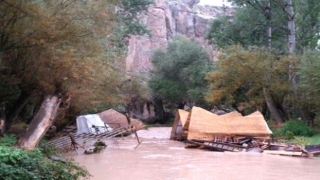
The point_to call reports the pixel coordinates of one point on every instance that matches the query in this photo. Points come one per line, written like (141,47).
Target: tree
(57,50)
(248,24)
(242,75)
(308,23)
(279,23)
(254,23)
(133,89)
(309,82)
(179,72)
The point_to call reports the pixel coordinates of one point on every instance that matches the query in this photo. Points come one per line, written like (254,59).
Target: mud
(158,158)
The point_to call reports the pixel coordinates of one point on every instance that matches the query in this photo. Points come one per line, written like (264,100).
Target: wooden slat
(288,153)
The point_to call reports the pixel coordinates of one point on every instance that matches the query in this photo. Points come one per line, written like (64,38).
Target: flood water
(158,158)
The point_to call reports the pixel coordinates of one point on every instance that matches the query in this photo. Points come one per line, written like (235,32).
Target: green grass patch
(304,141)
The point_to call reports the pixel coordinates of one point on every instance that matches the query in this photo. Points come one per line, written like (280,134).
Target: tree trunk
(267,15)
(158,109)
(40,123)
(305,114)
(272,106)
(291,27)
(16,109)
(2,117)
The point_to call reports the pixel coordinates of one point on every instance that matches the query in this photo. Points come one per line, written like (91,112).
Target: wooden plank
(288,153)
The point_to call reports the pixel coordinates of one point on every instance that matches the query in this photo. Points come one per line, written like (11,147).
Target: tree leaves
(241,74)
(179,71)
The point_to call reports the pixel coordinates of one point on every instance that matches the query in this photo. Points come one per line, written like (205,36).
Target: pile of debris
(93,128)
(251,145)
(230,132)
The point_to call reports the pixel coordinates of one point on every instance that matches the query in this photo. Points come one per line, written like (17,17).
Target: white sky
(213,2)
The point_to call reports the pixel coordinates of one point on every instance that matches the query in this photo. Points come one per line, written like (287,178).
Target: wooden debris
(281,152)
(249,144)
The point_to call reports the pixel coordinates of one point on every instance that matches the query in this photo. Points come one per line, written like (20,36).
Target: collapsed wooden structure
(110,124)
(204,125)
(73,141)
(230,132)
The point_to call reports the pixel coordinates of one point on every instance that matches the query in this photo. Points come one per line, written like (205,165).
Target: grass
(304,141)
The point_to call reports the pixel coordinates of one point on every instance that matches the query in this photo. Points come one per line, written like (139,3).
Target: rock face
(165,19)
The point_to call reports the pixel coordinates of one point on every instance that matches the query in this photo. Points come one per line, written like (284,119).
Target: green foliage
(180,70)
(315,139)
(8,140)
(301,140)
(65,47)
(241,74)
(128,22)
(308,21)
(20,164)
(247,26)
(251,19)
(308,71)
(304,141)
(289,135)
(296,128)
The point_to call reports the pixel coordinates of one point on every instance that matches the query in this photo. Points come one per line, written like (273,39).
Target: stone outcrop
(165,19)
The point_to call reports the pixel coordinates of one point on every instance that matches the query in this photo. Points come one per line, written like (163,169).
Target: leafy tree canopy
(248,25)
(179,74)
(308,71)
(241,74)
(63,47)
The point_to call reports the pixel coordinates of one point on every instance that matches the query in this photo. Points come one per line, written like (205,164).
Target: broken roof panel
(116,119)
(250,125)
(178,124)
(204,125)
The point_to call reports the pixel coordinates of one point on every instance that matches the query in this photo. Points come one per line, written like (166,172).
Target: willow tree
(57,50)
(239,79)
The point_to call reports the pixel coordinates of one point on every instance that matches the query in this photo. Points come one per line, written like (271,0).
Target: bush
(303,141)
(296,128)
(8,140)
(16,164)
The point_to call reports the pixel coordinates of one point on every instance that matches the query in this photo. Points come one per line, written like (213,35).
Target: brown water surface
(158,158)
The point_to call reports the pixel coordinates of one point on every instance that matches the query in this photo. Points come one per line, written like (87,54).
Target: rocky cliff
(164,19)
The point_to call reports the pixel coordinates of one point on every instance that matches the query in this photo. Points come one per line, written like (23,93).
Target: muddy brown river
(158,158)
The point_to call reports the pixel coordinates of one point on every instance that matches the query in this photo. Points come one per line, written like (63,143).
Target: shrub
(19,164)
(289,135)
(8,140)
(296,128)
(303,141)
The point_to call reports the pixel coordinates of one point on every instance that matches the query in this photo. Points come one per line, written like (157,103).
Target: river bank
(158,158)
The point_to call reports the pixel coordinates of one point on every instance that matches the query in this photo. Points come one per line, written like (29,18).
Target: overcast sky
(213,2)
